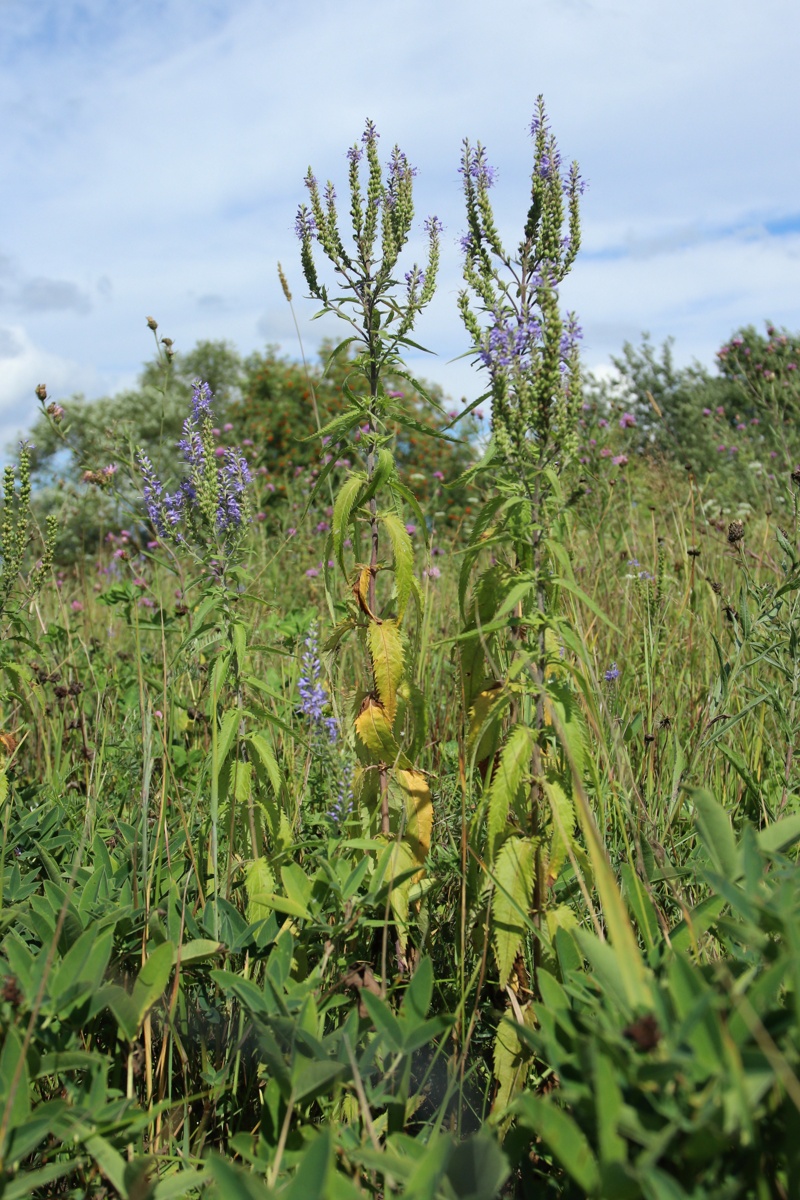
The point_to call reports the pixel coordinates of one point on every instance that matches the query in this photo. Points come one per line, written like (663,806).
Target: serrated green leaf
(266,758)
(514,870)
(563,814)
(386,653)
(403,553)
(507,778)
(259,883)
(343,507)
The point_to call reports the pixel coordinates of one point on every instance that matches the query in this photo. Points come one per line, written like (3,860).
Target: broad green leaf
(28,1183)
(84,964)
(563,1137)
(716,834)
(198,950)
(780,835)
(298,887)
(478,1168)
(311,1179)
(14,1080)
(641,907)
(429,1172)
(232,1183)
(109,1160)
(419,993)
(383,1019)
(185,1180)
(131,1010)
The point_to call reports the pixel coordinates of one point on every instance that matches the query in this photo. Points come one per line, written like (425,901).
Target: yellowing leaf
(419,813)
(514,871)
(386,652)
(401,863)
(361,592)
(374,731)
(483,721)
(512,1061)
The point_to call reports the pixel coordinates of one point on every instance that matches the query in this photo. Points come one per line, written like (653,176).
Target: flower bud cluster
(16,532)
(528,348)
(210,504)
(381,216)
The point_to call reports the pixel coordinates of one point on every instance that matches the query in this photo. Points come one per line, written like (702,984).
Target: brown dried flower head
(735,532)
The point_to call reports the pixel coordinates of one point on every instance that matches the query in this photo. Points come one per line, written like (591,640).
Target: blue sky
(154,153)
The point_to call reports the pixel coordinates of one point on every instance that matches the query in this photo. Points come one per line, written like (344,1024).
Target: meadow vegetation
(399,799)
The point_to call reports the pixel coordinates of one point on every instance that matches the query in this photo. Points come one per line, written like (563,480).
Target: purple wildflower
(313,697)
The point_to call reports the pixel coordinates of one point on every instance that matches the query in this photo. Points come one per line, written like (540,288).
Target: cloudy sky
(153,155)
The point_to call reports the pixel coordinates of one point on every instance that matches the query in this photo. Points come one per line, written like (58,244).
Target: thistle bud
(166,342)
(735,532)
(41,392)
(152,323)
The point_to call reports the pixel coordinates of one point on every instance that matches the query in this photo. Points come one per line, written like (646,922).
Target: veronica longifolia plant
(206,517)
(528,350)
(381,308)
(208,511)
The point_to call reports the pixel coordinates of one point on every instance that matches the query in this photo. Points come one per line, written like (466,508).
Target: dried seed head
(41,392)
(795,477)
(284,284)
(152,323)
(693,552)
(735,532)
(716,587)
(10,991)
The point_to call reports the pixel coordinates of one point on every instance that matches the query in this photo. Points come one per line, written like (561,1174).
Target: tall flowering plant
(205,518)
(512,673)
(380,304)
(209,507)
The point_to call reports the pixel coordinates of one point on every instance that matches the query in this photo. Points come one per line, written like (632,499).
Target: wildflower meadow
(400,798)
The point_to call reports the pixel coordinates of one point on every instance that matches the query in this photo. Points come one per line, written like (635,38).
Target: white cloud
(155,154)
